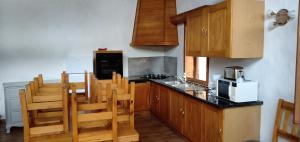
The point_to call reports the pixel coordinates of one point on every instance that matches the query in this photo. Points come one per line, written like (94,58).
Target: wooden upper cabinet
(216,31)
(194,34)
(229,29)
(152,23)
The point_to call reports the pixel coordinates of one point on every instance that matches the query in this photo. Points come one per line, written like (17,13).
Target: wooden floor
(149,128)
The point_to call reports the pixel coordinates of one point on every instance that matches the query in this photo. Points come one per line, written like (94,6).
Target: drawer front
(16,117)
(14,105)
(12,92)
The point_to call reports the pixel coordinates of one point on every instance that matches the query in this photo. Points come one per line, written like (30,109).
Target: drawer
(14,105)
(16,117)
(12,92)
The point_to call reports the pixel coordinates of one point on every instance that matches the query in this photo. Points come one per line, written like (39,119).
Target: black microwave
(107,62)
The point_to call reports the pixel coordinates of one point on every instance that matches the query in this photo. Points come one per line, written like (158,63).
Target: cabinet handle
(182,112)
(202,31)
(206,32)
(220,131)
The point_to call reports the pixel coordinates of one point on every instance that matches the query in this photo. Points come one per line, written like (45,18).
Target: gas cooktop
(154,76)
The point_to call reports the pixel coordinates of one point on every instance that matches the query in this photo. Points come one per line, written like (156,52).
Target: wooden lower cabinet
(154,98)
(164,102)
(211,124)
(142,91)
(192,119)
(202,122)
(176,109)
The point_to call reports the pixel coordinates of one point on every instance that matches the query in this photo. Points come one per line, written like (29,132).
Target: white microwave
(245,91)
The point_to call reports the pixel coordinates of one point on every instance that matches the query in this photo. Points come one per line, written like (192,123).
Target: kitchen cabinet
(215,31)
(176,111)
(142,91)
(211,124)
(164,102)
(195,37)
(152,23)
(226,29)
(199,121)
(192,119)
(154,99)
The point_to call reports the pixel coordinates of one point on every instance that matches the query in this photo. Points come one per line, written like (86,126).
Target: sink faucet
(181,78)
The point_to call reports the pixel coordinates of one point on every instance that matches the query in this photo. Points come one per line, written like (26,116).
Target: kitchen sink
(180,85)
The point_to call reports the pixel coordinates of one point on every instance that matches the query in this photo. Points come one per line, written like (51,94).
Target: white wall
(275,72)
(48,36)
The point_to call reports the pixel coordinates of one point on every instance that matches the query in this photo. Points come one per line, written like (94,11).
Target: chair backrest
(40,80)
(79,85)
(126,99)
(28,107)
(95,91)
(85,114)
(48,100)
(284,126)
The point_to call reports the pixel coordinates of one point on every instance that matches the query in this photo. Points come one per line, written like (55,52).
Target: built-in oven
(106,62)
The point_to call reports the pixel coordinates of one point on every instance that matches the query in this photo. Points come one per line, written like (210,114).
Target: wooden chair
(85,118)
(126,131)
(44,116)
(34,132)
(285,128)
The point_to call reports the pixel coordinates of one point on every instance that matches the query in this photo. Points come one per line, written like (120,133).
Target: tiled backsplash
(155,65)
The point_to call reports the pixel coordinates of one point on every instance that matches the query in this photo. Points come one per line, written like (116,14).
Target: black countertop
(203,97)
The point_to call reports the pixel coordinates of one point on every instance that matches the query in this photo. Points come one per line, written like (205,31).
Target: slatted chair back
(95,91)
(85,114)
(284,126)
(79,85)
(36,131)
(42,84)
(47,116)
(51,115)
(49,88)
(127,112)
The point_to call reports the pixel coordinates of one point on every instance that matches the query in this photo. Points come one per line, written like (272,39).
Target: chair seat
(95,134)
(53,138)
(126,133)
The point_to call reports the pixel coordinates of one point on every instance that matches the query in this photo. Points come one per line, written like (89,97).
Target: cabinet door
(142,96)
(164,103)
(211,124)
(176,108)
(194,35)
(154,98)
(192,119)
(217,30)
